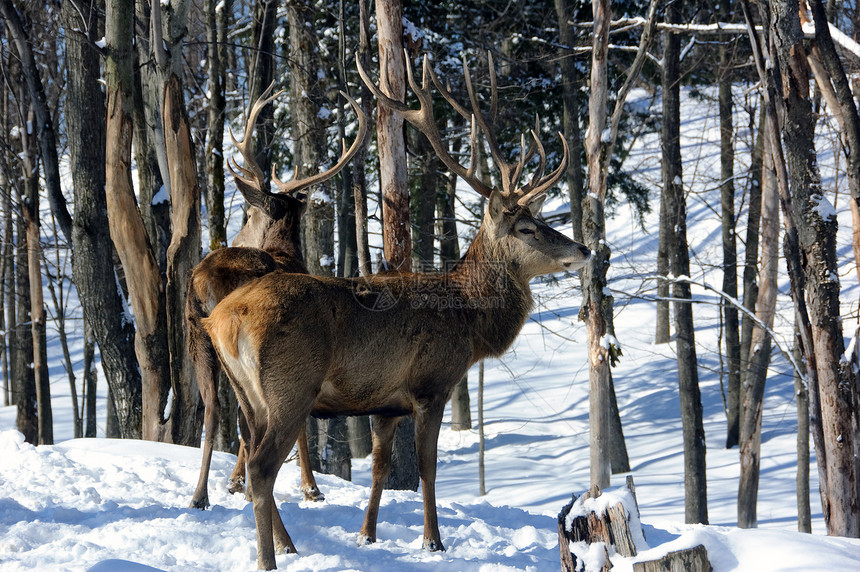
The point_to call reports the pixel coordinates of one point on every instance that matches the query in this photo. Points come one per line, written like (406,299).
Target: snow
(100,504)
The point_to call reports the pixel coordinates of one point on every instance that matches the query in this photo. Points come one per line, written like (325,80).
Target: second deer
(269,241)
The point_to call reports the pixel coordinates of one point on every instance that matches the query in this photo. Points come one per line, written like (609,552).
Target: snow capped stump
(590,525)
(597,526)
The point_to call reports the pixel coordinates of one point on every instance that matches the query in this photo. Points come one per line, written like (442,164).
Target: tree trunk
(359,161)
(41,375)
(186,413)
(730,257)
(570,84)
(804,511)
(752,237)
(126,225)
(90,383)
(425,204)
(755,372)
(396,233)
(695,489)
(93,272)
(215,123)
(309,133)
(44,121)
(594,273)
(815,221)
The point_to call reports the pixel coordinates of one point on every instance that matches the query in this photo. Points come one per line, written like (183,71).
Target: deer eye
(526,230)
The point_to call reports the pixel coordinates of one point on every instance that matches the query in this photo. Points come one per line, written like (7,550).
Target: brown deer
(389,344)
(270,240)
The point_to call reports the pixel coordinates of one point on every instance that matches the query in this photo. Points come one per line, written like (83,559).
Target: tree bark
(815,222)
(695,488)
(755,373)
(396,234)
(730,257)
(93,272)
(570,84)
(126,225)
(44,121)
(215,122)
(804,511)
(594,273)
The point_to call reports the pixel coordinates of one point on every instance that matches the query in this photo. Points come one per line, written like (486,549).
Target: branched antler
(249,176)
(423,119)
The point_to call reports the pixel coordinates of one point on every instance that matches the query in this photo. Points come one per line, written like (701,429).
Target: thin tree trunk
(571,83)
(215,124)
(730,257)
(759,357)
(359,188)
(752,237)
(695,488)
(396,239)
(594,273)
(804,511)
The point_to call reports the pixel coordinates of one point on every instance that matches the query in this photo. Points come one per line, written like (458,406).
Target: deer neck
(283,241)
(501,297)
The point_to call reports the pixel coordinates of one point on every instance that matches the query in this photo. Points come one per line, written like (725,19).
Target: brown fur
(388,345)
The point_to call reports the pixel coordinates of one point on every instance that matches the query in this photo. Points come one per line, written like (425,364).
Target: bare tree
(397,236)
(755,372)
(675,213)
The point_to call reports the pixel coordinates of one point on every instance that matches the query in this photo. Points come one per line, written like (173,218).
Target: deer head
(510,227)
(290,200)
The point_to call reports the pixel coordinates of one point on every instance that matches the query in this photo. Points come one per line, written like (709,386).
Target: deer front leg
(309,487)
(428,420)
(383,437)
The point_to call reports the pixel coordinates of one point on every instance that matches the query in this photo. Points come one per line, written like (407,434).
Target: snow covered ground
(118,505)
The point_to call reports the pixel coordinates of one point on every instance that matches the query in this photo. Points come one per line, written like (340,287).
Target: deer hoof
(201,504)
(433,545)
(236,485)
(313,494)
(364,540)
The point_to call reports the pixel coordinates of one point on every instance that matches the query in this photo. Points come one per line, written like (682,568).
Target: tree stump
(610,527)
(689,560)
(584,537)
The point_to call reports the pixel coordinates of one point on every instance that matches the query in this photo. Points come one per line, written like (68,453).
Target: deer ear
(536,204)
(496,207)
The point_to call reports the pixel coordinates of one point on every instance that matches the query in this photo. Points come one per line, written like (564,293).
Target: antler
(250,176)
(296,185)
(423,120)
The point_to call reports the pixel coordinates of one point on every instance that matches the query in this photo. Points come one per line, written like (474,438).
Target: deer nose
(577,260)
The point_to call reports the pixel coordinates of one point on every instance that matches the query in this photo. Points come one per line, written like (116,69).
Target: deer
(270,240)
(295,345)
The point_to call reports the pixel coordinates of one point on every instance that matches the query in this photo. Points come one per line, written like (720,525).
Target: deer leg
(427,423)
(309,485)
(237,482)
(263,464)
(383,437)
(205,365)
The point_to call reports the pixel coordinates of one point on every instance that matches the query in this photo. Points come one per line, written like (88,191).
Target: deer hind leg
(236,482)
(207,369)
(264,461)
(309,487)
(428,420)
(383,437)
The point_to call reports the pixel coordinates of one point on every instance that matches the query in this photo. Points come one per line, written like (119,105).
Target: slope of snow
(117,505)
